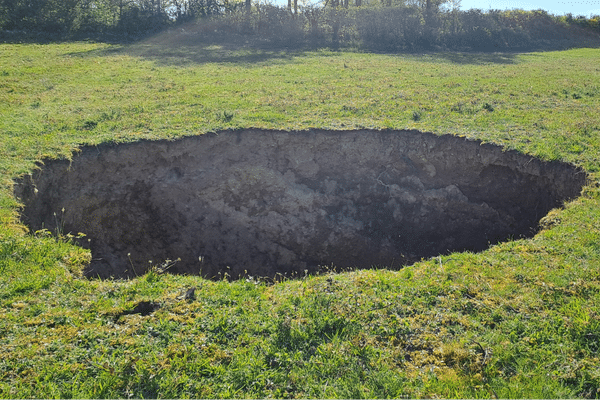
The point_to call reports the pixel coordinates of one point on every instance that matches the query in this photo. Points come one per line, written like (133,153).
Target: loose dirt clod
(263,203)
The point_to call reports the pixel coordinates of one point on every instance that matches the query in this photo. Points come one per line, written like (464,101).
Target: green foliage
(403,28)
(60,18)
(375,26)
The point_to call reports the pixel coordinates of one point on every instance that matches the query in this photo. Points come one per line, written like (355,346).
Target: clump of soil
(263,203)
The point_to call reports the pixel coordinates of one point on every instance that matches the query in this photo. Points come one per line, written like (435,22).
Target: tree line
(386,25)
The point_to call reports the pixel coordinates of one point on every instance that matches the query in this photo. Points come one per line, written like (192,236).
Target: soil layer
(263,203)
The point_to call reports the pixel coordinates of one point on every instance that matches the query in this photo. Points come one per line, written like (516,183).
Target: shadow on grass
(178,47)
(194,44)
(181,48)
(481,58)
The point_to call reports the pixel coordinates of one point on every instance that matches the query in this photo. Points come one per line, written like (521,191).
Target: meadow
(521,319)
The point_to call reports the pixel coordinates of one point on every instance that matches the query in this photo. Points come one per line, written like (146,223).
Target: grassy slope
(519,320)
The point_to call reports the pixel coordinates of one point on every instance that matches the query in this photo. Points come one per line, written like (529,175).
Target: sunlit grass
(519,320)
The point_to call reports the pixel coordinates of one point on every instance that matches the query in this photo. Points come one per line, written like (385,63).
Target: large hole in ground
(263,203)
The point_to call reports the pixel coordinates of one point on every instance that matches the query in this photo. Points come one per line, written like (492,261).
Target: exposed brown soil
(266,202)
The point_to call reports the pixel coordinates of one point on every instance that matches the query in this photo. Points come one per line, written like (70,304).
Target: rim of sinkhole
(265,202)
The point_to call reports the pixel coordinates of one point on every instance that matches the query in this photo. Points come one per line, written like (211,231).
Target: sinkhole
(263,203)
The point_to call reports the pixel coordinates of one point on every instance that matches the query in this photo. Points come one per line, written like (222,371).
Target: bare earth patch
(256,202)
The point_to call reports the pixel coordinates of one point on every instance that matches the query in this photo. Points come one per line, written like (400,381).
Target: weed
(165,266)
(131,263)
(59,222)
(225,116)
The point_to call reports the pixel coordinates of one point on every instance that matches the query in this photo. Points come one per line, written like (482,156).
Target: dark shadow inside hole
(264,203)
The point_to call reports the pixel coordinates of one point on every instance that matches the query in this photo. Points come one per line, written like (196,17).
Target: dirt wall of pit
(255,202)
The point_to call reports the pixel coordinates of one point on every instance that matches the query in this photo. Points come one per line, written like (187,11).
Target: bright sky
(557,7)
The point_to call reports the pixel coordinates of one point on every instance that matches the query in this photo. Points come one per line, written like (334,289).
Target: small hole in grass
(144,308)
(272,203)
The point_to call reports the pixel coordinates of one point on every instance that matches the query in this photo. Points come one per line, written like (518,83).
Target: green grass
(519,320)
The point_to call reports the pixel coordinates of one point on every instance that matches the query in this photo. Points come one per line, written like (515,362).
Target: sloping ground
(263,203)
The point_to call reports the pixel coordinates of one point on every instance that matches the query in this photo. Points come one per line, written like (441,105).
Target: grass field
(521,319)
